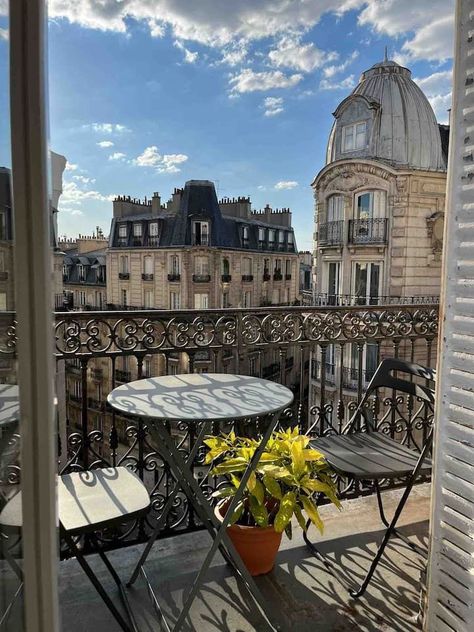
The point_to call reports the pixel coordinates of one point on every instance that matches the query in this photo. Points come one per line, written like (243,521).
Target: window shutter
(451,562)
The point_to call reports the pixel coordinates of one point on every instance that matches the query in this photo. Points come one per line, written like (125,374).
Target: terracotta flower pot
(256,546)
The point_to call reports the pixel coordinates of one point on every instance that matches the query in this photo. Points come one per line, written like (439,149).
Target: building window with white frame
(354,136)
(148,266)
(123,264)
(261,236)
(271,237)
(247,266)
(225,300)
(122,233)
(148,299)
(137,234)
(174,265)
(247,299)
(370,205)
(335,208)
(245,236)
(201,301)
(153,235)
(201,233)
(366,282)
(174,300)
(333,281)
(201,266)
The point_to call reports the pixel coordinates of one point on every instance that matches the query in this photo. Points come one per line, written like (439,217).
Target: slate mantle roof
(199,203)
(93,262)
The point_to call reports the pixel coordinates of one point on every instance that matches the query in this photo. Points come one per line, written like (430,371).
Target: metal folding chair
(89,502)
(362,453)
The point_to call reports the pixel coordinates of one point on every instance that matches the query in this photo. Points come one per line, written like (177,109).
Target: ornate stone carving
(435,225)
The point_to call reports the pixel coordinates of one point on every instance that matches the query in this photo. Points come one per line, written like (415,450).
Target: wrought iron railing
(228,338)
(331,233)
(368,231)
(326,299)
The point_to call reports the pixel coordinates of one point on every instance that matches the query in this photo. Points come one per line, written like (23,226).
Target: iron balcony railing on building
(350,376)
(266,275)
(230,338)
(226,278)
(174,276)
(147,276)
(124,275)
(331,233)
(368,231)
(277,275)
(329,374)
(201,278)
(348,300)
(247,277)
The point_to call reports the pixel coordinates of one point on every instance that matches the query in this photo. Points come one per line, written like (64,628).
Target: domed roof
(400,125)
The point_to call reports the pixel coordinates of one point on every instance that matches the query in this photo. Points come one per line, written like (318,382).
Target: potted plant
(288,476)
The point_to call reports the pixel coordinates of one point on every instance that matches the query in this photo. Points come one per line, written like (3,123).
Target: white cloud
(302,57)
(107,128)
(434,42)
(166,163)
(234,54)
(189,57)
(105,143)
(345,84)
(118,155)
(330,71)
(70,166)
(437,88)
(286,184)
(84,179)
(273,106)
(4,34)
(431,21)
(74,195)
(249,81)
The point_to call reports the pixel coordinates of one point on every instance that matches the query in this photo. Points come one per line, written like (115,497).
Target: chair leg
(126,626)
(418,549)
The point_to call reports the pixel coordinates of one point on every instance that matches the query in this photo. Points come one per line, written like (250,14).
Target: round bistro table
(201,399)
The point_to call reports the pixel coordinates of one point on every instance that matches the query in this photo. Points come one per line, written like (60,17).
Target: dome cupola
(387,117)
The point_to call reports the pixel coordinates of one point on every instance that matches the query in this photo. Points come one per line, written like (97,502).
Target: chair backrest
(383,378)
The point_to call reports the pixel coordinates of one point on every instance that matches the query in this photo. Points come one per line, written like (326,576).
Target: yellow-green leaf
(313,513)
(283,517)
(259,512)
(259,491)
(252,482)
(299,517)
(272,485)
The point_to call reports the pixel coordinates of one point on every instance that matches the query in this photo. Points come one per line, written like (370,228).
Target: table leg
(220,537)
(167,508)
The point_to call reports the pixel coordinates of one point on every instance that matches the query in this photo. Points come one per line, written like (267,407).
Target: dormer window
(261,235)
(65,271)
(122,235)
(80,272)
(153,234)
(354,136)
(201,233)
(137,234)
(271,237)
(245,236)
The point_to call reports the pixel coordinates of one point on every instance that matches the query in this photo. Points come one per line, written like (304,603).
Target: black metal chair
(88,502)
(362,453)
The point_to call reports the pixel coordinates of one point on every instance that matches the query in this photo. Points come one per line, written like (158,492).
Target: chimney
(156,203)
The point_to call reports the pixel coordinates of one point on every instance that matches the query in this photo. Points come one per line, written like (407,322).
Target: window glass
(153,229)
(335,208)
(201,301)
(365,205)
(122,230)
(137,230)
(174,300)
(201,265)
(148,298)
(148,265)
(354,136)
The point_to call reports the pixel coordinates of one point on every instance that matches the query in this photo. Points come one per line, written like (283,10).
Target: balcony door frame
(34,308)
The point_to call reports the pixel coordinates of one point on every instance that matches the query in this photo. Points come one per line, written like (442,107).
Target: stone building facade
(379,208)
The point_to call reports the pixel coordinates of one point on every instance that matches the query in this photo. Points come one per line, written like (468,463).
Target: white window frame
(153,229)
(137,229)
(174,300)
(377,206)
(201,265)
(369,265)
(123,264)
(122,230)
(147,264)
(354,133)
(204,233)
(335,208)
(148,299)
(174,264)
(201,300)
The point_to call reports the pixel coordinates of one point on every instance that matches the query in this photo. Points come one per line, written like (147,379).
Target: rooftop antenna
(385,58)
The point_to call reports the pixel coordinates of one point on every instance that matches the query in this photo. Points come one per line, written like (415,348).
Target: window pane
(360,289)
(365,206)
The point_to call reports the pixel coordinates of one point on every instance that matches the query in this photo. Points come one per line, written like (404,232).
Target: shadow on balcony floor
(305,595)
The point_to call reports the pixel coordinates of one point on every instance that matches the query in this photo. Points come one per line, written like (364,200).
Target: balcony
(226,335)
(174,277)
(266,276)
(331,233)
(300,590)
(147,276)
(288,277)
(201,278)
(277,275)
(368,231)
(124,276)
(247,277)
(226,278)
(329,372)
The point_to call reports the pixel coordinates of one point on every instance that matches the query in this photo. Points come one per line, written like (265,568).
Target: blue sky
(146,94)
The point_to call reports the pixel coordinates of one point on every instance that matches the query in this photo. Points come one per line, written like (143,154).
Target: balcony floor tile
(304,594)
